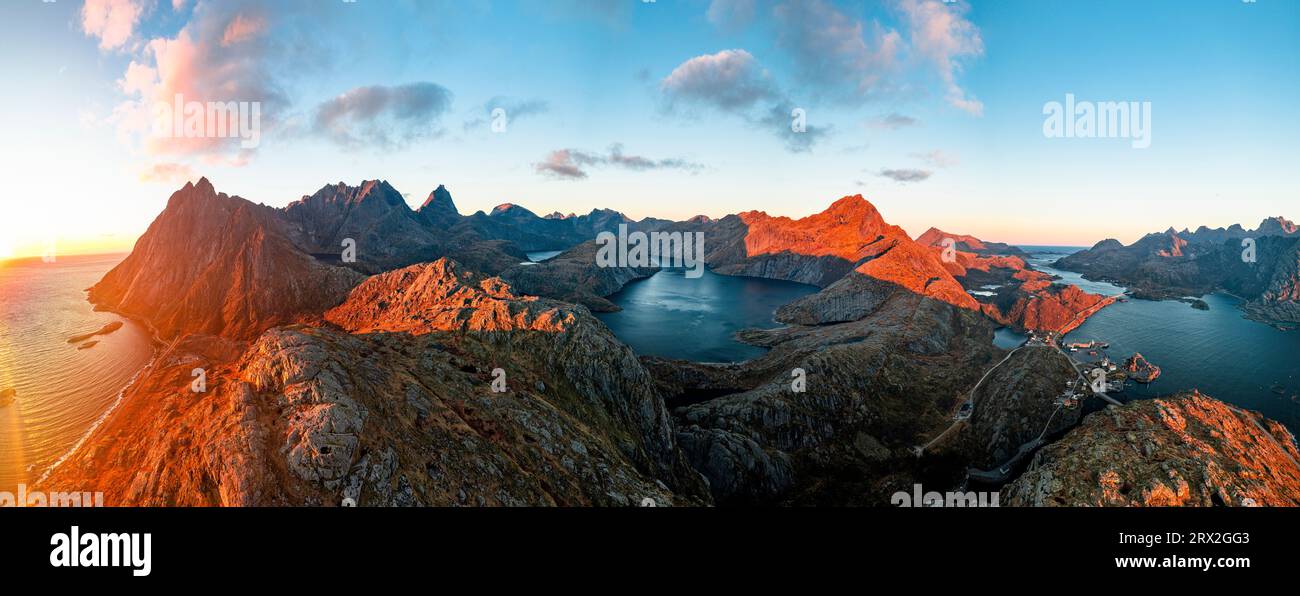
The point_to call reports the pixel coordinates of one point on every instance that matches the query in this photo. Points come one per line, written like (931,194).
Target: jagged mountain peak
(368,192)
(1277,225)
(439,202)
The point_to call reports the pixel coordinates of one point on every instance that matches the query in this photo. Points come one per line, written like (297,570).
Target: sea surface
(1217,351)
(1042,257)
(671,315)
(62,390)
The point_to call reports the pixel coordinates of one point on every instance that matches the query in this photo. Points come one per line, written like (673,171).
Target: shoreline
(121,394)
(94,426)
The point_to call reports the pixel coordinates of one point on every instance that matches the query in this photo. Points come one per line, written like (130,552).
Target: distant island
(105,330)
(1261,266)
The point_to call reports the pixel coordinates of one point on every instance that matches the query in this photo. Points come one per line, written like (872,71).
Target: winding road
(970,398)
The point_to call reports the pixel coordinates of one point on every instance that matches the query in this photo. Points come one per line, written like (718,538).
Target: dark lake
(674,316)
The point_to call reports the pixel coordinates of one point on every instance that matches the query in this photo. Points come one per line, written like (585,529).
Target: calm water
(1007,339)
(696,319)
(1217,351)
(542,255)
(1042,257)
(62,391)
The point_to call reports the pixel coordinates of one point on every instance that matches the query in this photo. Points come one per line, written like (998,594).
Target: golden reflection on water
(61,390)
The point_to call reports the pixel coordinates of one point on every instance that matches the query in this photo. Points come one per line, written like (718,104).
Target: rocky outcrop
(966,243)
(397,406)
(1055,307)
(1188,450)
(818,249)
(874,387)
(1017,404)
(219,265)
(561,344)
(1140,370)
(105,330)
(904,268)
(443,296)
(1025,299)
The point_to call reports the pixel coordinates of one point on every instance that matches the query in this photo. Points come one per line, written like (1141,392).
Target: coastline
(121,394)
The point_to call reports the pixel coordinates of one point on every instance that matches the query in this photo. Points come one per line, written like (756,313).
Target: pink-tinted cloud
(112,21)
(839,55)
(940,33)
(242,28)
(228,51)
(168,172)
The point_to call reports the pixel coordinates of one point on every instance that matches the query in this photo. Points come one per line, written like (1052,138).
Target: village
(1099,377)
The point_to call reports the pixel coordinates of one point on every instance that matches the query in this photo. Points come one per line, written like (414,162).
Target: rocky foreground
(393,404)
(415,376)
(1184,450)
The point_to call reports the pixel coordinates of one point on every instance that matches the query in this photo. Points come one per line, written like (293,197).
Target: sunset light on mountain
(310,262)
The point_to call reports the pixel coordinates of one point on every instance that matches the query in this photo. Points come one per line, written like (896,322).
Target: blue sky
(933,111)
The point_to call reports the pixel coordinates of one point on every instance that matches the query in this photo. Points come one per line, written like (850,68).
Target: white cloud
(730,79)
(940,33)
(833,52)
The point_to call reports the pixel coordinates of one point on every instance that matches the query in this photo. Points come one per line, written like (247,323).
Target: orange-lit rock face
(851,229)
(1036,304)
(917,270)
(219,265)
(1183,450)
(1050,308)
(442,296)
(936,237)
(1175,248)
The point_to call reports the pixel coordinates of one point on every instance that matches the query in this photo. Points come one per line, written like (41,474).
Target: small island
(105,330)
(1140,370)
